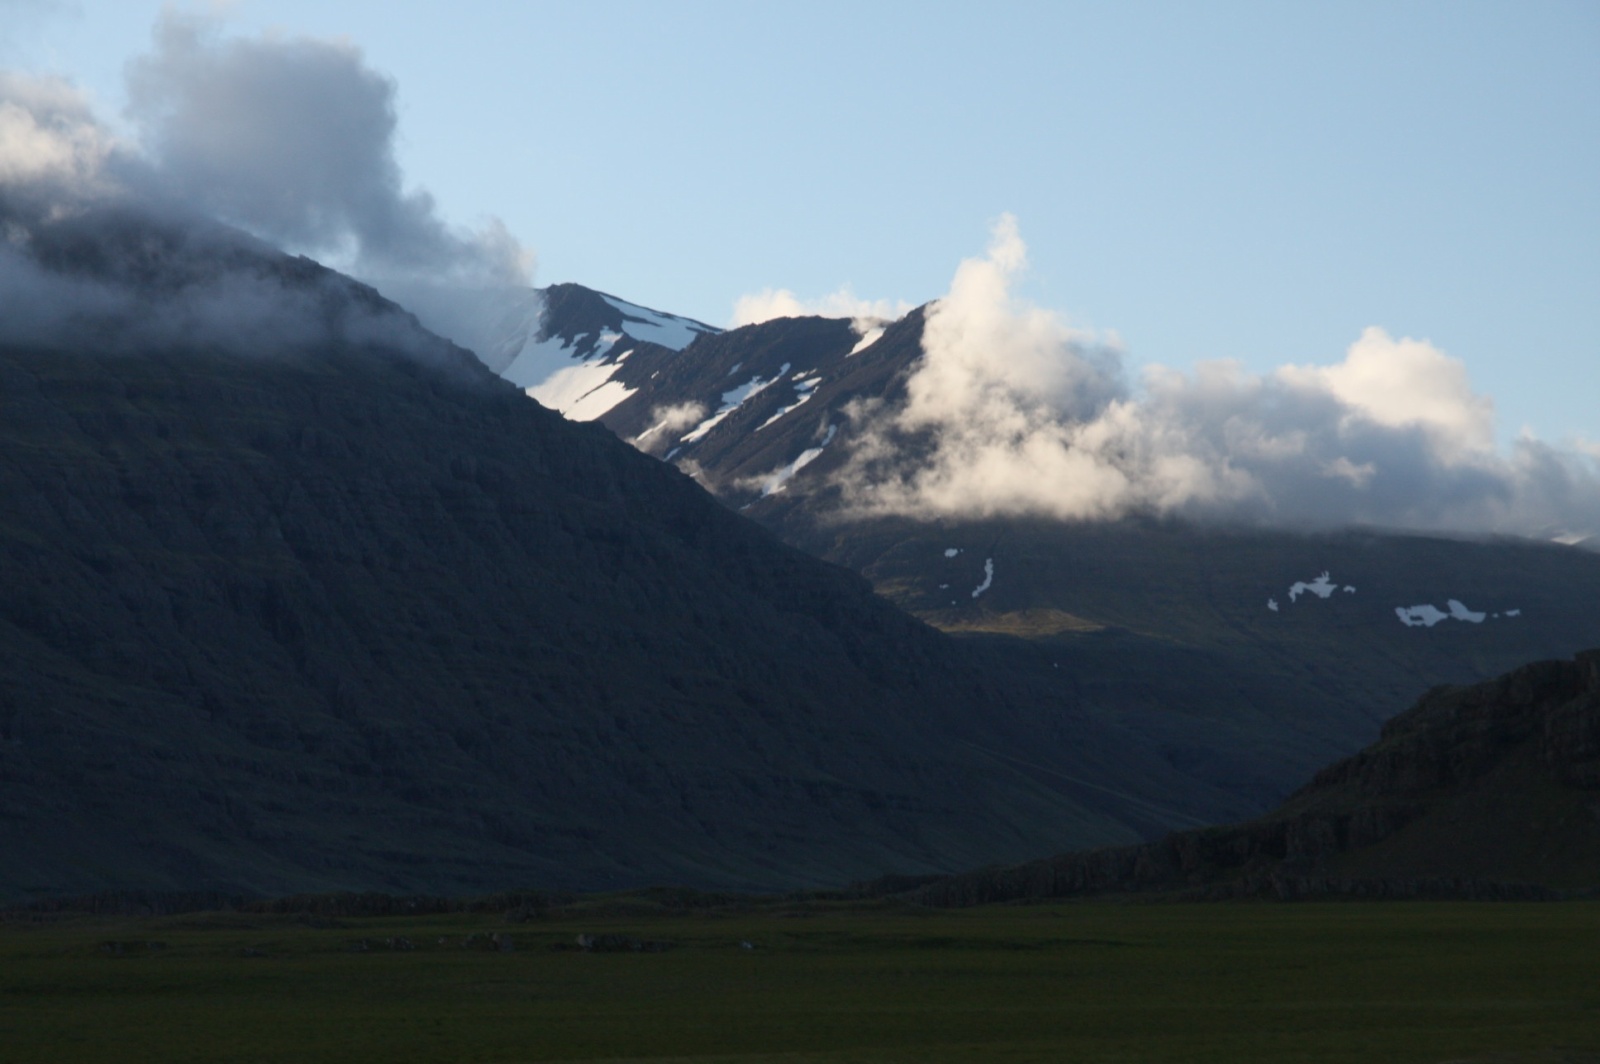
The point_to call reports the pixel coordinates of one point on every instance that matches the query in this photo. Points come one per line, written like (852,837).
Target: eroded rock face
(1530,737)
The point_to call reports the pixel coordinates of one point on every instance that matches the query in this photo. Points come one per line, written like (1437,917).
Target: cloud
(667,423)
(1400,383)
(115,279)
(51,145)
(770,303)
(91,260)
(292,138)
(115,245)
(1011,411)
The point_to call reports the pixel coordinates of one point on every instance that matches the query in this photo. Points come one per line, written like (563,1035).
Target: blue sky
(1230,180)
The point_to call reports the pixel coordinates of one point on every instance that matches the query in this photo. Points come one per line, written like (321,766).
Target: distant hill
(1487,791)
(298,596)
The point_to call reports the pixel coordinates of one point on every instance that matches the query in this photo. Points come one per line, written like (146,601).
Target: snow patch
(870,337)
(951,552)
(1424,616)
(598,401)
(779,478)
(1321,587)
(803,391)
(988,578)
(732,401)
(1427,615)
(655,327)
(582,392)
(540,360)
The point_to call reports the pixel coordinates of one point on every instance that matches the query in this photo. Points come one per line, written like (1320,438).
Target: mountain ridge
(1220,639)
(354,614)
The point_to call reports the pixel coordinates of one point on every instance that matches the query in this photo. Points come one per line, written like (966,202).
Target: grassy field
(1090,982)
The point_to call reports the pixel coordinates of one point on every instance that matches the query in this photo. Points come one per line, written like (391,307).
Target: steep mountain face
(335,608)
(575,350)
(1479,791)
(1253,656)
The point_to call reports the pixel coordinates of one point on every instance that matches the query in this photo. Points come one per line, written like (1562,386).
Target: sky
(1260,182)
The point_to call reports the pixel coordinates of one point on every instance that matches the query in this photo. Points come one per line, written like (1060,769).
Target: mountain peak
(563,344)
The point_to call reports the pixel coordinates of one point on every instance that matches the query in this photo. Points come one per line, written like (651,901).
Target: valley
(849,632)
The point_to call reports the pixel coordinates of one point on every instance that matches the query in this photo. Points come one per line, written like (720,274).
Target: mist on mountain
(864,314)
(293,139)
(1011,411)
(287,139)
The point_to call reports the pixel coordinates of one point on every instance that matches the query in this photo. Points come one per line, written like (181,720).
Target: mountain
(299,596)
(1252,655)
(1486,791)
(573,349)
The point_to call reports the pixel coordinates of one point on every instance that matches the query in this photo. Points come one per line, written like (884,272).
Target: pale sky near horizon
(1257,181)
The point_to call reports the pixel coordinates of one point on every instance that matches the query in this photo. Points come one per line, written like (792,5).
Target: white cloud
(49,138)
(104,248)
(666,423)
(292,138)
(1405,382)
(288,138)
(864,314)
(1012,411)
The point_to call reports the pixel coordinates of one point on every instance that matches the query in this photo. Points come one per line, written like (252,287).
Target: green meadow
(826,983)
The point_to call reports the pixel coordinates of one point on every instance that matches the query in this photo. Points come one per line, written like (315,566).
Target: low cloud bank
(117,281)
(290,139)
(1011,411)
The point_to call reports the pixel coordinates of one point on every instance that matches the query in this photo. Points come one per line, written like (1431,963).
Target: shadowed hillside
(1194,629)
(349,612)
(1485,791)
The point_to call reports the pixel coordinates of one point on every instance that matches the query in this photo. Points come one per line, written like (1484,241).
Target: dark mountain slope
(803,371)
(1476,791)
(1168,623)
(352,613)
(1191,633)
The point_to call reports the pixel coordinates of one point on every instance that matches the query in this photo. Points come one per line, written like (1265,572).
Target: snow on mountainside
(761,404)
(759,412)
(1162,620)
(564,345)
